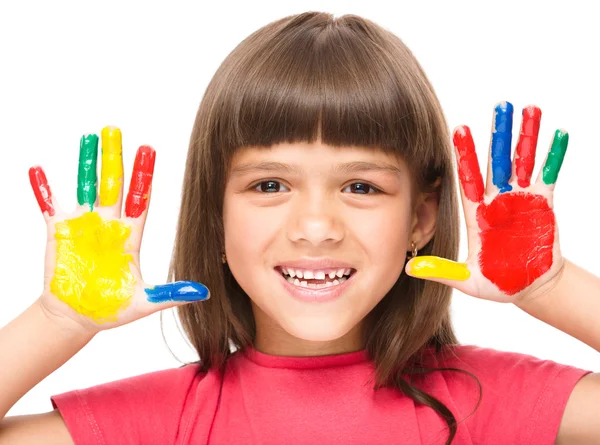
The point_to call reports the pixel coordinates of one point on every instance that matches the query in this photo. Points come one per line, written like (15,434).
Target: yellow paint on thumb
(436,267)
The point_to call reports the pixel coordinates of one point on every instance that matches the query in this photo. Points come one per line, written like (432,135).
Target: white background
(72,68)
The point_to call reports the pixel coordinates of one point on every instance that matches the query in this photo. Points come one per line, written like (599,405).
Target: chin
(317,329)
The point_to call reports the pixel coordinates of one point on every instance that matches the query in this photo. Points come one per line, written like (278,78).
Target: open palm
(511,228)
(92,272)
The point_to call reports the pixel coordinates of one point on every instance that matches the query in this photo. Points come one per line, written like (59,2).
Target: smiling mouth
(316,280)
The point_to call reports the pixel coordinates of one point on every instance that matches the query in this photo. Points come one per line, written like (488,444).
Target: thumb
(438,269)
(177,292)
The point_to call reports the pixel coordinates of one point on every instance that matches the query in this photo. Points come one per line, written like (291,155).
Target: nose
(316,220)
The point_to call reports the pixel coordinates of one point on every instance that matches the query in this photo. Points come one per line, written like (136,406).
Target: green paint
(87,176)
(555,157)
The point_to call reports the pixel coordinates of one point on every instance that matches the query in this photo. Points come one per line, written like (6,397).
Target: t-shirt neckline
(305,362)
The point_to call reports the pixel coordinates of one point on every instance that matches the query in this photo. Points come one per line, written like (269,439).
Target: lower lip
(321,295)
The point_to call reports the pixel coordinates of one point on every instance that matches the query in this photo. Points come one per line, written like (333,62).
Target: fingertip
(461,131)
(532,111)
(503,107)
(41,190)
(462,136)
(178,292)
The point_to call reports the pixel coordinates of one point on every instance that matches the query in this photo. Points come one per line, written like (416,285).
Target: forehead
(301,158)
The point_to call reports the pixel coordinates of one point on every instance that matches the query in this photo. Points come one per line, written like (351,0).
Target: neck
(274,340)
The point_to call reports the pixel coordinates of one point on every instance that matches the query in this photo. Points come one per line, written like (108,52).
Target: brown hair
(345,82)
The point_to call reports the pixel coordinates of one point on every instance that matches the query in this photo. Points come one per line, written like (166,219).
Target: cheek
(247,229)
(384,233)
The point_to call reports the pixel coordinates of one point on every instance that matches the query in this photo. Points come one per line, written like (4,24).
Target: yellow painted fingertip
(436,267)
(112,166)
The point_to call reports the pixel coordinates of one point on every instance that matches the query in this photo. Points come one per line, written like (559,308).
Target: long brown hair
(345,82)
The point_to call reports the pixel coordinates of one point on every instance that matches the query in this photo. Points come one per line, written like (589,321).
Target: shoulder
(161,381)
(149,405)
(510,394)
(498,364)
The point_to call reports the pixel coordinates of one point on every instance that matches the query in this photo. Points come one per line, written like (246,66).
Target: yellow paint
(92,268)
(436,267)
(112,166)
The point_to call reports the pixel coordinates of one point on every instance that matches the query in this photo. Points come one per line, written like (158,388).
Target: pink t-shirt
(264,399)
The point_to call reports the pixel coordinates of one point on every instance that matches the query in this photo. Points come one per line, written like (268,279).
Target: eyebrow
(345,168)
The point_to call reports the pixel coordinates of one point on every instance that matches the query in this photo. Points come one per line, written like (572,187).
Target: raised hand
(511,228)
(92,270)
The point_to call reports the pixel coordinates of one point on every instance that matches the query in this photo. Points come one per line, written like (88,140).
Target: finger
(554,159)
(441,270)
(469,172)
(428,266)
(111,178)
(177,292)
(526,146)
(499,162)
(42,192)
(87,176)
(136,204)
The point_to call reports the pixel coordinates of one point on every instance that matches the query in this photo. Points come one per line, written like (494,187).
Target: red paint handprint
(511,227)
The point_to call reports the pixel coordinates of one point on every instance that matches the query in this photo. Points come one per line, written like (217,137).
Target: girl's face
(321,211)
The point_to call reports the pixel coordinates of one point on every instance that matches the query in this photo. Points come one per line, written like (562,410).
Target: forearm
(570,304)
(32,346)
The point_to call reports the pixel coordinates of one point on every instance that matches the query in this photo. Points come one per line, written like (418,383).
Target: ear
(425,216)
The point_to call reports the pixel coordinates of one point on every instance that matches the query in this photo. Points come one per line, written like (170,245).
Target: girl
(318,165)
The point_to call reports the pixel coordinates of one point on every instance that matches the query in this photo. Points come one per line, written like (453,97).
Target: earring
(414,250)
(223,258)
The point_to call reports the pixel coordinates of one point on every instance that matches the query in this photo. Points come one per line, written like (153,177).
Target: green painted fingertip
(555,157)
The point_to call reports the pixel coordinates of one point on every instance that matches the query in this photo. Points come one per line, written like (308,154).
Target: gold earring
(223,258)
(414,250)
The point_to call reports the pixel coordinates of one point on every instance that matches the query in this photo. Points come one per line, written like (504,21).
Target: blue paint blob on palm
(501,146)
(178,291)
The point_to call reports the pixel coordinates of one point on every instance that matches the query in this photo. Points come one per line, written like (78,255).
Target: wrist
(543,294)
(63,324)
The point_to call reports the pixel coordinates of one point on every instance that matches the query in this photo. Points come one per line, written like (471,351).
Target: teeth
(297,282)
(314,274)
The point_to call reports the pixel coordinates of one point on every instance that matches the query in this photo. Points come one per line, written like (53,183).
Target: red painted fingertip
(525,150)
(41,189)
(141,182)
(468,165)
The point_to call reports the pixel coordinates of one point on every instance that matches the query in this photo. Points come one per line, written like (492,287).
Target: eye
(269,187)
(362,188)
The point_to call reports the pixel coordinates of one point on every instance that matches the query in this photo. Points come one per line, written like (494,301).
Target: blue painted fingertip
(177,291)
(501,146)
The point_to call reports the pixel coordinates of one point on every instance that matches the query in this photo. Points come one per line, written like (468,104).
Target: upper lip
(316,264)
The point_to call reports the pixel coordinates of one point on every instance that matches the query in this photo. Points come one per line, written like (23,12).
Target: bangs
(335,81)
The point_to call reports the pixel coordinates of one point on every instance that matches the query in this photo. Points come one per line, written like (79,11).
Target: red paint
(141,182)
(41,189)
(517,238)
(525,151)
(468,165)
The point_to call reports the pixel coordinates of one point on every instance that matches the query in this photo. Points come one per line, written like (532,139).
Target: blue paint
(501,146)
(178,291)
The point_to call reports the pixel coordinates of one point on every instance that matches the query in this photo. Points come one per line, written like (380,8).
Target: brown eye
(361,188)
(269,187)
